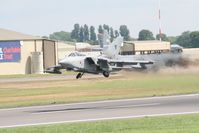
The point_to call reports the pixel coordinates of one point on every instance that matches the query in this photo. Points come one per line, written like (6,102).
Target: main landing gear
(79,75)
(106,74)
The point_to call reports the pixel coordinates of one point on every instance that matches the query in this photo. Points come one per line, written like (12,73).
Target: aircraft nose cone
(61,61)
(65,63)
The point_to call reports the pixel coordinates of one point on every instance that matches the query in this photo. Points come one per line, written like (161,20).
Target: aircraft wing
(128,64)
(123,64)
(54,69)
(131,62)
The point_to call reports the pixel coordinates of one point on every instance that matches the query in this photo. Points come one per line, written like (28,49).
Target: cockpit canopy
(74,54)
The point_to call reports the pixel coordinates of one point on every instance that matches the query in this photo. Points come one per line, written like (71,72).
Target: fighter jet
(109,61)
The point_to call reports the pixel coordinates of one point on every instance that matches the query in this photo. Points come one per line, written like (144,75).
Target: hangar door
(49,52)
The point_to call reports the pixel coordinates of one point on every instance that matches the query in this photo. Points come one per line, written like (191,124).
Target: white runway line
(100,119)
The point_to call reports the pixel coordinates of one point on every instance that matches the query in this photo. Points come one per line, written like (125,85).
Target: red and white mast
(159,19)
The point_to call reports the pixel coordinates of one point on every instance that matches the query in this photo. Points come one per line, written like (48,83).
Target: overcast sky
(42,17)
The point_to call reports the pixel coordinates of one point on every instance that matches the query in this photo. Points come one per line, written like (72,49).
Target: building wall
(37,45)
(152,46)
(145,46)
(24,65)
(127,49)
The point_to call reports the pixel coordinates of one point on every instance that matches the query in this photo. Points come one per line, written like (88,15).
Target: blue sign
(10,51)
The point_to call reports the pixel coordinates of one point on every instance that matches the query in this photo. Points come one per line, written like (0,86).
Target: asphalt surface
(102,110)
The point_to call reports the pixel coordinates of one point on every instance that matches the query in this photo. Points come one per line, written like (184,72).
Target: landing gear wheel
(79,75)
(106,74)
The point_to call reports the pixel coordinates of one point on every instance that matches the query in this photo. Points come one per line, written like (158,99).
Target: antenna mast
(159,18)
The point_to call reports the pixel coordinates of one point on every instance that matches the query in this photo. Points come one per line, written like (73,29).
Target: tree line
(85,33)
(89,34)
(187,39)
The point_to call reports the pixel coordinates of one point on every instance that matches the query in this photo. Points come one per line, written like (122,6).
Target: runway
(102,110)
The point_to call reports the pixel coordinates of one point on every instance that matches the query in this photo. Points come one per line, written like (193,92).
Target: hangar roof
(7,35)
(143,42)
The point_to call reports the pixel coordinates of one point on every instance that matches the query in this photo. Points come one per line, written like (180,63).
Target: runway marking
(114,107)
(100,119)
(105,101)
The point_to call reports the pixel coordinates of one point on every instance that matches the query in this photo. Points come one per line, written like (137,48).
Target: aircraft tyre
(79,75)
(106,74)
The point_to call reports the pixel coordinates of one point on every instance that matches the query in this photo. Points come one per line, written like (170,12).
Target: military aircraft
(109,61)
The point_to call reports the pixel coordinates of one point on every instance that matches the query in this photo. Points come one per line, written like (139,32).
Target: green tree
(100,29)
(86,33)
(116,33)
(81,34)
(111,34)
(172,39)
(184,40)
(92,33)
(106,27)
(163,37)
(75,32)
(61,36)
(146,35)
(124,32)
(194,39)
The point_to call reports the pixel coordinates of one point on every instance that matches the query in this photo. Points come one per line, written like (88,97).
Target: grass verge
(167,124)
(68,91)
(35,75)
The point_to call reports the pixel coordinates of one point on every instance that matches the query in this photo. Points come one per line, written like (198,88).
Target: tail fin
(104,39)
(112,50)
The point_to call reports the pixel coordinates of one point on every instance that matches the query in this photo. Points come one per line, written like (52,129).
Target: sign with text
(10,51)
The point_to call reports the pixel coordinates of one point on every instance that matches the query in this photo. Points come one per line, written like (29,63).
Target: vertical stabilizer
(112,50)
(103,39)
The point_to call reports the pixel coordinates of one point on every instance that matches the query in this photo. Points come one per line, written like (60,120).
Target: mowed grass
(35,75)
(68,91)
(167,124)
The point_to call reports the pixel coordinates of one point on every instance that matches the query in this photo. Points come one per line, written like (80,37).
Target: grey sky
(42,17)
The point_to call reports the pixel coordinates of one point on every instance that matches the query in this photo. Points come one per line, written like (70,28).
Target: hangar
(25,54)
(145,47)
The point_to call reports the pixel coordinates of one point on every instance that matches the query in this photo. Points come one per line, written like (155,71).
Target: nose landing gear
(79,75)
